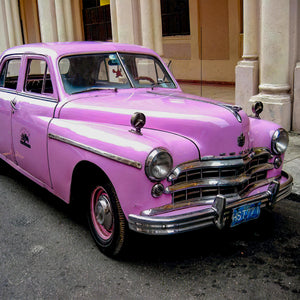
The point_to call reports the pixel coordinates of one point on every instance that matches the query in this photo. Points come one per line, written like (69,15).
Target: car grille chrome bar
(230,177)
(220,181)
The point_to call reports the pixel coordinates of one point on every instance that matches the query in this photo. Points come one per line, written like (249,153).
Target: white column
(157,27)
(69,20)
(246,81)
(13,22)
(147,23)
(296,110)
(16,22)
(125,21)
(4,41)
(251,13)
(60,21)
(47,18)
(124,11)
(151,28)
(274,62)
(296,105)
(114,21)
(10,24)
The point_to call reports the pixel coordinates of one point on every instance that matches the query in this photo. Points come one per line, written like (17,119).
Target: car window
(146,71)
(86,72)
(38,78)
(10,73)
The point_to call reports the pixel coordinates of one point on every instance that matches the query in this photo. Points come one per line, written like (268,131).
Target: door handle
(13,104)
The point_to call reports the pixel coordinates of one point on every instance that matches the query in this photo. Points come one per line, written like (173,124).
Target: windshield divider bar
(125,70)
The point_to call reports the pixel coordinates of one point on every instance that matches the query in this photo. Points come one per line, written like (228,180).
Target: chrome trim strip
(108,155)
(205,201)
(38,96)
(232,108)
(284,190)
(215,163)
(7,90)
(160,225)
(257,151)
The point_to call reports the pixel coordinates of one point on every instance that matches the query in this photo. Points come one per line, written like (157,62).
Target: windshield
(81,73)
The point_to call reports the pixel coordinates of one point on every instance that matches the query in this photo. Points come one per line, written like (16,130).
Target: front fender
(71,142)
(261,132)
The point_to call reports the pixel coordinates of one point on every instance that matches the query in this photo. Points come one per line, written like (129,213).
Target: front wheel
(106,220)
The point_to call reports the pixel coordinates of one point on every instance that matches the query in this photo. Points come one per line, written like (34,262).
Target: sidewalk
(227,94)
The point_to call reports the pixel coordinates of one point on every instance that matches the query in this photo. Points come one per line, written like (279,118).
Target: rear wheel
(106,219)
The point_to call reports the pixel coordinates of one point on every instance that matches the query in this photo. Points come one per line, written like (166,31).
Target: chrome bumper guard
(216,215)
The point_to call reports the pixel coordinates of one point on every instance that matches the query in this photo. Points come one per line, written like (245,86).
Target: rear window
(10,73)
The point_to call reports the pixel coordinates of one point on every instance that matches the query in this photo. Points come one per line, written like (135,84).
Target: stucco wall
(213,56)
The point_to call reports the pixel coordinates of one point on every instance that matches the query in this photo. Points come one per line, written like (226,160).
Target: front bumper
(216,215)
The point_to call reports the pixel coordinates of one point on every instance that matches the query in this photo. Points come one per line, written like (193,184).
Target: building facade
(270,68)
(253,43)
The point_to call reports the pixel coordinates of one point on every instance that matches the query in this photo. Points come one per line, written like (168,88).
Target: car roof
(68,48)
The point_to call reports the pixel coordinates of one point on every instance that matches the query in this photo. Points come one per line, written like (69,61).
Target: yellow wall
(219,22)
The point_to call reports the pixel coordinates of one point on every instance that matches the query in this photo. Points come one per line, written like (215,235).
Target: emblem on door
(25,139)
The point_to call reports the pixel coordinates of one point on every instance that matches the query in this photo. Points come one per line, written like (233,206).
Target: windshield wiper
(159,84)
(94,88)
(155,84)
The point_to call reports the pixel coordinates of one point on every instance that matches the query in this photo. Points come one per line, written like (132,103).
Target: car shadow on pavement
(211,242)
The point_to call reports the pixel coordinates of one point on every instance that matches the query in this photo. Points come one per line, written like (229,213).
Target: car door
(9,74)
(33,109)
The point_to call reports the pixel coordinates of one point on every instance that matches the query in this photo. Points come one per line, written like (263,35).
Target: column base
(296,108)
(246,83)
(277,108)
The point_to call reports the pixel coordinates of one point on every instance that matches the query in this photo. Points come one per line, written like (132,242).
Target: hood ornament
(257,109)
(138,121)
(241,140)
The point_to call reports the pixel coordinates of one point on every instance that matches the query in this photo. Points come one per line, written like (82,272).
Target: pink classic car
(106,126)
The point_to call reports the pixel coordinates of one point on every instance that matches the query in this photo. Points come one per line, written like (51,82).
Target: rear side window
(10,73)
(38,78)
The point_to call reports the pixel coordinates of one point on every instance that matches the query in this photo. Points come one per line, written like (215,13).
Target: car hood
(215,128)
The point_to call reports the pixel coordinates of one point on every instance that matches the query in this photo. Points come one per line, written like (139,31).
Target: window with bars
(97,21)
(175,17)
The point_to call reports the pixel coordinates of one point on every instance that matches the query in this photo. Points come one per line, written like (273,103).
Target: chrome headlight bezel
(155,159)
(280,141)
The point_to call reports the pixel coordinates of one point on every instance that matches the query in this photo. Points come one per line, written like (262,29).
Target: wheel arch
(84,174)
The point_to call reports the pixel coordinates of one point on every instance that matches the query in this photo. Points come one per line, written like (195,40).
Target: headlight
(280,141)
(159,164)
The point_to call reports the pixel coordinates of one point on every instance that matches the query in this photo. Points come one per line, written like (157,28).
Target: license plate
(245,213)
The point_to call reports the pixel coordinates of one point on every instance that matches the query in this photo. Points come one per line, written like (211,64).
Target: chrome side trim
(108,155)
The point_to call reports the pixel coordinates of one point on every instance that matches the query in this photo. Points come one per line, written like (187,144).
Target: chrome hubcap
(103,212)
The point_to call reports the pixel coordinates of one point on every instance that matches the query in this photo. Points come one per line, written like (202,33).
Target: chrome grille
(197,180)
